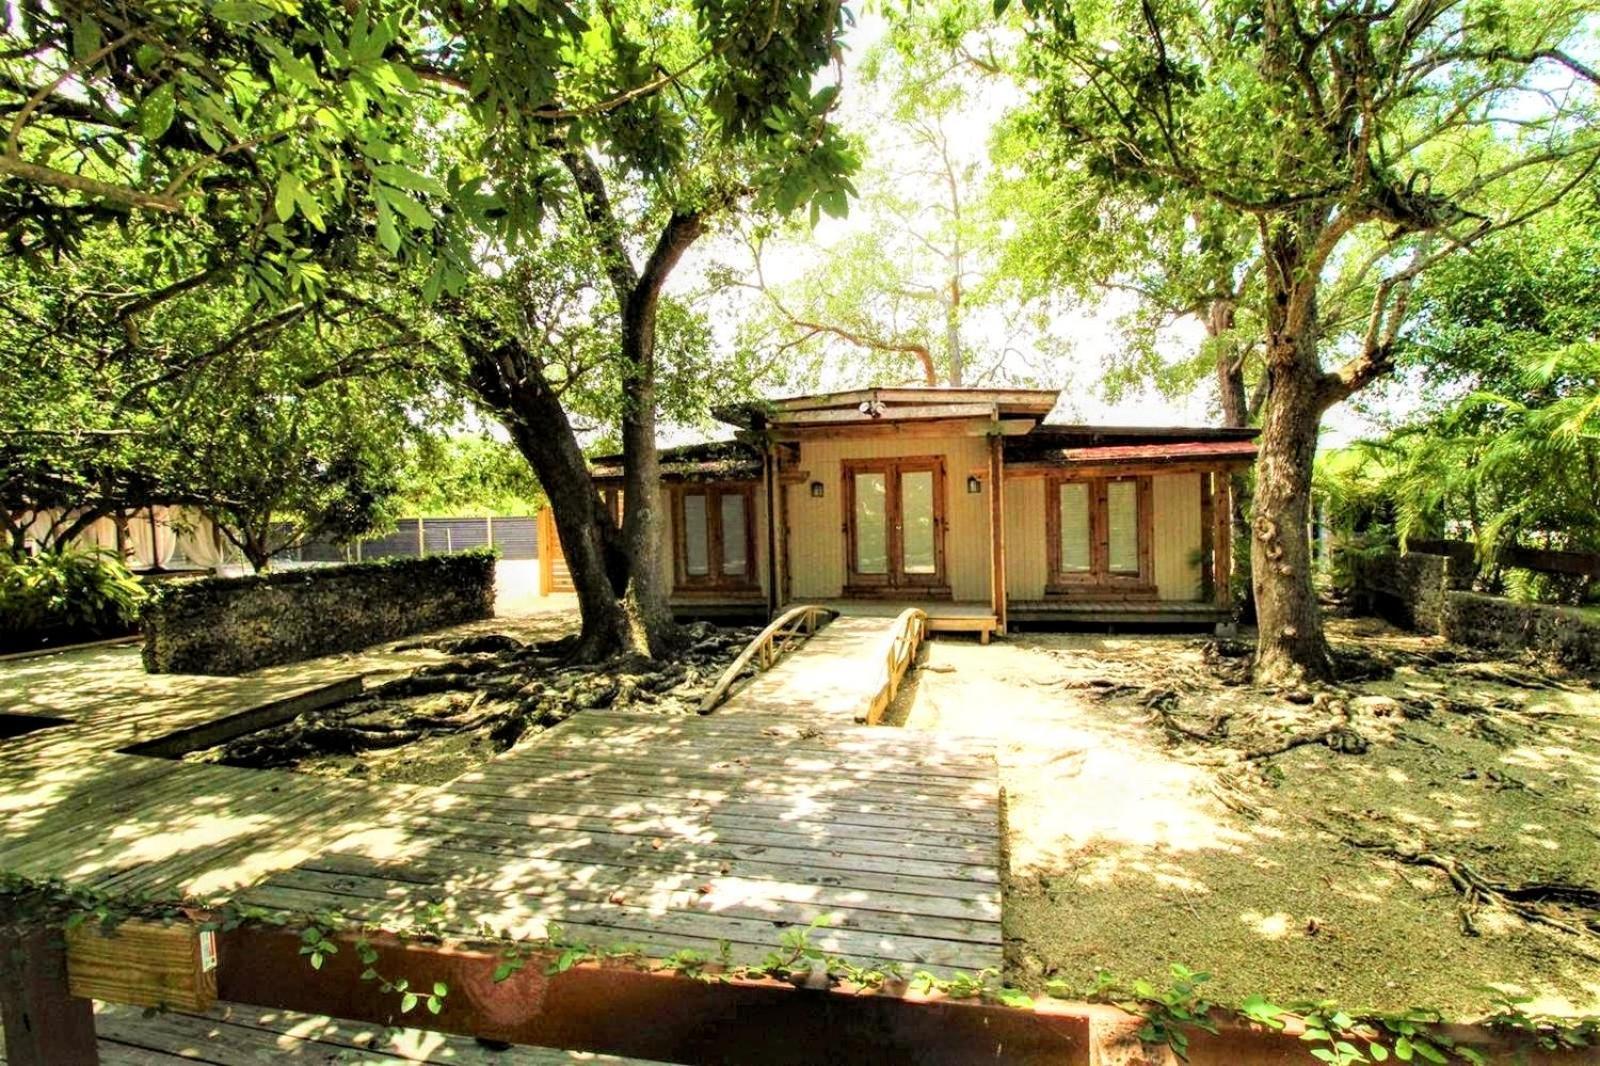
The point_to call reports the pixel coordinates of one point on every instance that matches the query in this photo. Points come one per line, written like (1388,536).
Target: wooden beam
(997,531)
(911,413)
(1085,470)
(770,458)
(45,1024)
(1222,536)
(1208,570)
(144,963)
(878,429)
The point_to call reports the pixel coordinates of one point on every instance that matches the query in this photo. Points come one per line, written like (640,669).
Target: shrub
(57,592)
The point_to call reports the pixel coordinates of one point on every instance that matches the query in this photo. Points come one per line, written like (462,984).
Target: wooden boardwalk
(230,1035)
(659,832)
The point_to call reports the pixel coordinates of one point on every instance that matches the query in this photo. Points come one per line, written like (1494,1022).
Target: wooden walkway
(232,1035)
(659,832)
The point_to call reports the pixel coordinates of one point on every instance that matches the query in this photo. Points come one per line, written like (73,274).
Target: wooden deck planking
(727,828)
(660,831)
(230,1034)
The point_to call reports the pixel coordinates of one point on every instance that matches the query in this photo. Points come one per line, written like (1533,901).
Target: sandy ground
(1132,846)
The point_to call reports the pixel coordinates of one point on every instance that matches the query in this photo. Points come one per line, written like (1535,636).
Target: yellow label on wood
(143,963)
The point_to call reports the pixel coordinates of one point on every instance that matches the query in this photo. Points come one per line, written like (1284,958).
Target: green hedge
(229,625)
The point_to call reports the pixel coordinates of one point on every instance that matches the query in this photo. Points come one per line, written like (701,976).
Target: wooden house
(964,502)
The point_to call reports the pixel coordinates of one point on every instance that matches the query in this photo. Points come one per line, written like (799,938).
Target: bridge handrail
(909,630)
(795,623)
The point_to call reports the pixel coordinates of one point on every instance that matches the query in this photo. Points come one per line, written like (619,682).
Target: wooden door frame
(1098,582)
(713,579)
(895,581)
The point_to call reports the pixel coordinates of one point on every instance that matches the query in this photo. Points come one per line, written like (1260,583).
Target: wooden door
(894,525)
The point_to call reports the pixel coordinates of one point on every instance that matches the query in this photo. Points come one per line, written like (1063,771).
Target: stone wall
(1408,590)
(1429,594)
(230,625)
(1567,636)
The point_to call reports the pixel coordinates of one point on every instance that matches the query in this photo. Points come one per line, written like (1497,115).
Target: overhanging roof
(724,460)
(1082,446)
(880,406)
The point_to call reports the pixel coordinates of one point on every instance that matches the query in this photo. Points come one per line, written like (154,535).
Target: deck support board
(45,1024)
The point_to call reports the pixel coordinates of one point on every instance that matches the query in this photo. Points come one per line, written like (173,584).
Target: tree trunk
(1220,318)
(1290,648)
(512,386)
(647,604)
(952,329)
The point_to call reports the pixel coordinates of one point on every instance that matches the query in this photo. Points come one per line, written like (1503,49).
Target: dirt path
(1148,825)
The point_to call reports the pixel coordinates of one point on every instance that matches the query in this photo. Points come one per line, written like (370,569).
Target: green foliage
(1502,446)
(81,591)
(466,474)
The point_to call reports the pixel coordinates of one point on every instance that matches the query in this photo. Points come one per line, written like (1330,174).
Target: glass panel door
(871,522)
(734,538)
(1075,548)
(918,524)
(1122,527)
(696,546)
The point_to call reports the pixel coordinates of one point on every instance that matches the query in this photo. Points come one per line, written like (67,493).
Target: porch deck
(1118,612)
(944,616)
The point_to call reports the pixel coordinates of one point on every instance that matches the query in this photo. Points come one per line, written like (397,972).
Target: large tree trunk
(648,602)
(1291,648)
(511,386)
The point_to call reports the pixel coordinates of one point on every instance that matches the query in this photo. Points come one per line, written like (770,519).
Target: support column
(769,462)
(1222,537)
(997,530)
(45,1025)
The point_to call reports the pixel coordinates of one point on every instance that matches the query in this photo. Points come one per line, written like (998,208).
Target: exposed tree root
(493,687)
(1524,900)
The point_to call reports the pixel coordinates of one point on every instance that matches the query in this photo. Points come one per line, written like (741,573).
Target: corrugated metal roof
(1164,452)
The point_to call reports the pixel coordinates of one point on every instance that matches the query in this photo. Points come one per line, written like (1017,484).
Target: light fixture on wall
(816,489)
(974,484)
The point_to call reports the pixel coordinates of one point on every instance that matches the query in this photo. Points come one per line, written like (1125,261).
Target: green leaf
(402,176)
(1428,1051)
(389,237)
(86,39)
(156,111)
(240,12)
(440,988)
(408,1002)
(1402,1049)
(434,1005)
(289,190)
(1378,1052)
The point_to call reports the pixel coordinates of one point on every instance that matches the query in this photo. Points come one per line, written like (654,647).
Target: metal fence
(517,538)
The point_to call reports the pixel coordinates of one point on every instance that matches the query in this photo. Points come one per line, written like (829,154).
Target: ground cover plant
(1420,833)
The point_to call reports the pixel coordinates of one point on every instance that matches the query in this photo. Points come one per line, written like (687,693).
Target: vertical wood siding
(1177,535)
(1027,569)
(816,525)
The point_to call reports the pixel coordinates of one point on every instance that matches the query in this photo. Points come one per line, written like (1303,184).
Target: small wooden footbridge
(780,808)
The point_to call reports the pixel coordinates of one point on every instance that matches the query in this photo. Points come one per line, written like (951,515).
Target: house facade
(964,502)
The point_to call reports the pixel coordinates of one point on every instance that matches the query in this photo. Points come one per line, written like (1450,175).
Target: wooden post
(997,531)
(547,560)
(45,1025)
(769,457)
(1222,537)
(422,540)
(488,531)
(1208,539)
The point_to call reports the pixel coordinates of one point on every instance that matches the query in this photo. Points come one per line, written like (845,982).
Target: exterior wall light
(974,484)
(816,489)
